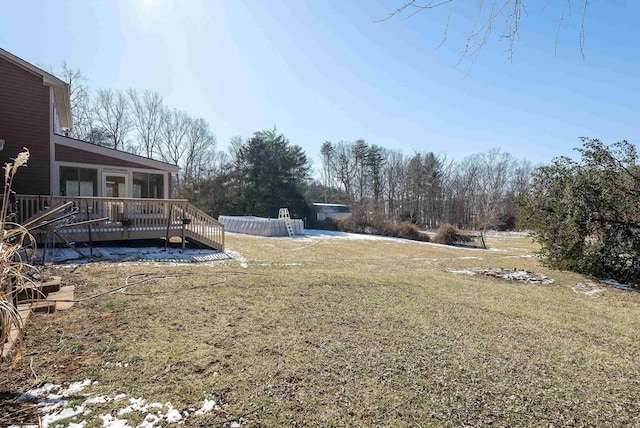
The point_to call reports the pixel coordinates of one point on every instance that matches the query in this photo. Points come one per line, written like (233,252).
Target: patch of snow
(109,421)
(505,234)
(117,364)
(172,416)
(149,421)
(65,413)
(589,291)
(75,387)
(619,286)
(53,401)
(239,257)
(329,234)
(461,272)
(593,288)
(136,404)
(139,255)
(34,394)
(207,406)
(279,264)
(97,400)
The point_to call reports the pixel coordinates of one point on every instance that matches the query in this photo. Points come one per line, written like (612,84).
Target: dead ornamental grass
(15,242)
(361,333)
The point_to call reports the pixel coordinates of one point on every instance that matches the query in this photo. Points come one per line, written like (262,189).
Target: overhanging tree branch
(478,35)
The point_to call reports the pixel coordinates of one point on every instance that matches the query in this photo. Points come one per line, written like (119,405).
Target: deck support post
(89,228)
(166,236)
(183,242)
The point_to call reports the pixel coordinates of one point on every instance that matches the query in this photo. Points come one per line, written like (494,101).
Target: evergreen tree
(586,215)
(274,174)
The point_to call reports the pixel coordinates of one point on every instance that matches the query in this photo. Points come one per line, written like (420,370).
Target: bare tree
(496,170)
(199,158)
(488,13)
(112,116)
(345,168)
(147,112)
(80,100)
(175,129)
(395,172)
(522,176)
(463,192)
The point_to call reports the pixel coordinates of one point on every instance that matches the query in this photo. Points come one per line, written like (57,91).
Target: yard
(333,331)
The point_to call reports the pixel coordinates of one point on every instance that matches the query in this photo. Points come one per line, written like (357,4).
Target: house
(35,113)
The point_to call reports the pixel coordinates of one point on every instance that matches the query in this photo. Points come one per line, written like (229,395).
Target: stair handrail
(201,223)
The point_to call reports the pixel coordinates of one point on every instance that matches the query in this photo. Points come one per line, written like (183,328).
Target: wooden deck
(120,219)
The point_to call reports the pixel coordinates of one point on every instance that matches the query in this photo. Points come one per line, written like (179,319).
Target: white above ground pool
(260,226)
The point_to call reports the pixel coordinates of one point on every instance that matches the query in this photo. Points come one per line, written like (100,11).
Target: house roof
(113,153)
(60,87)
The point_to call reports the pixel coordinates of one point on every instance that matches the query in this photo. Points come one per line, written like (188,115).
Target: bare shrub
(362,221)
(411,231)
(357,222)
(447,234)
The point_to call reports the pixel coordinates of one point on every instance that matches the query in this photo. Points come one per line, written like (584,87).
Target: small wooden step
(43,307)
(50,286)
(62,298)
(40,290)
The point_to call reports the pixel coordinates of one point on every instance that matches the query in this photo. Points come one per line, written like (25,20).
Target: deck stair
(283,214)
(199,227)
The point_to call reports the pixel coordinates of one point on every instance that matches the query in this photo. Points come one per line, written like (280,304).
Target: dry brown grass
(358,333)
(15,241)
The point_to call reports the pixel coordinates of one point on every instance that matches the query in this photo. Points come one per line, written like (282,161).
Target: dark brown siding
(25,122)
(69,154)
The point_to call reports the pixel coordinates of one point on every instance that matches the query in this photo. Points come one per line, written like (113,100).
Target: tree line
(260,174)
(425,188)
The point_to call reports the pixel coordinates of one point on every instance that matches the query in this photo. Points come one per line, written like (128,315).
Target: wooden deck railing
(131,218)
(200,224)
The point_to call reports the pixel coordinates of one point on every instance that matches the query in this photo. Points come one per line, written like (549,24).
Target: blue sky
(324,70)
